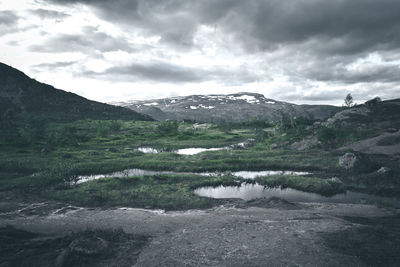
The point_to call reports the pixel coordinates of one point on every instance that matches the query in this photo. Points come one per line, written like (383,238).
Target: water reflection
(253,191)
(149,150)
(194,151)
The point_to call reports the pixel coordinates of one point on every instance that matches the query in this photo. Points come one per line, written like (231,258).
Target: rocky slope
(238,107)
(22,95)
(372,127)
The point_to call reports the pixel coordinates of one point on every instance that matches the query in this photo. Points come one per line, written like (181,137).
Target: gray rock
(88,245)
(342,116)
(335,180)
(273,146)
(44,150)
(278,145)
(347,161)
(373,102)
(245,144)
(308,142)
(383,170)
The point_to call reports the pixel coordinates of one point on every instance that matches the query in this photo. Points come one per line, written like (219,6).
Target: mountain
(22,95)
(226,108)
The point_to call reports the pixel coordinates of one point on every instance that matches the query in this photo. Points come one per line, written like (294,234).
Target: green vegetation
(57,153)
(308,184)
(169,192)
(335,136)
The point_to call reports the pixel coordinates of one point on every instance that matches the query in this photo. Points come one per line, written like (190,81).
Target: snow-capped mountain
(237,107)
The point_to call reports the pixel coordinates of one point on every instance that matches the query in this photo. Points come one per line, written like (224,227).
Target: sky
(300,51)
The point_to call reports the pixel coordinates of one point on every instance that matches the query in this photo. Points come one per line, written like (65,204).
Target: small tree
(348,101)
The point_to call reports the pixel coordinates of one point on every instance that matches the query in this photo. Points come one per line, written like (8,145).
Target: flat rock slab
(222,236)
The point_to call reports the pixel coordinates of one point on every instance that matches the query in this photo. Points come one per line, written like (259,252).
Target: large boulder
(373,102)
(383,170)
(348,161)
(306,143)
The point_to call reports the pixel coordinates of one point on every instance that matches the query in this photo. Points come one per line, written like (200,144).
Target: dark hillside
(22,96)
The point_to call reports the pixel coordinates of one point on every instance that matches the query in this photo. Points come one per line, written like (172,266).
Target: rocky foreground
(264,233)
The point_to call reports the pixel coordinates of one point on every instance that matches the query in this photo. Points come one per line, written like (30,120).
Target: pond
(149,150)
(196,150)
(253,191)
(141,172)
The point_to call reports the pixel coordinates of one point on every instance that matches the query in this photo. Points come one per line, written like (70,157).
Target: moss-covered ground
(45,165)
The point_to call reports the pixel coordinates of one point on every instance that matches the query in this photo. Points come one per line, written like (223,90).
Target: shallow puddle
(149,150)
(121,174)
(253,191)
(194,151)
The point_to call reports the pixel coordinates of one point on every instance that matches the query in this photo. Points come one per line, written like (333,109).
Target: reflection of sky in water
(252,191)
(148,150)
(193,151)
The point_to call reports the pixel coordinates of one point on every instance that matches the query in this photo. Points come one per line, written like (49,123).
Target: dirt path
(222,236)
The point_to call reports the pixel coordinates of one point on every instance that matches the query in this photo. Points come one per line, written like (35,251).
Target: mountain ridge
(237,107)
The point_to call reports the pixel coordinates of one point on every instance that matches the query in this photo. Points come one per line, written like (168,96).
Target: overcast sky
(301,51)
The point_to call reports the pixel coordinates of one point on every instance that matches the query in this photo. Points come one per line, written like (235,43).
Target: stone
(373,102)
(44,150)
(383,170)
(245,144)
(273,146)
(335,180)
(348,161)
(307,142)
(92,245)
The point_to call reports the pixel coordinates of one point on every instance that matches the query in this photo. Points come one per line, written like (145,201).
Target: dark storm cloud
(48,14)
(384,74)
(90,41)
(170,73)
(8,22)
(320,37)
(265,24)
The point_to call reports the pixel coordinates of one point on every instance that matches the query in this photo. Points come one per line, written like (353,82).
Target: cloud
(357,25)
(52,66)
(171,73)
(90,41)
(49,14)
(303,46)
(8,22)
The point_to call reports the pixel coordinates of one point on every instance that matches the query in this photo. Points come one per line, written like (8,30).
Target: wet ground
(257,233)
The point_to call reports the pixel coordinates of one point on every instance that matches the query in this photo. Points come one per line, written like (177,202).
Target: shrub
(115,126)
(103,128)
(168,127)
